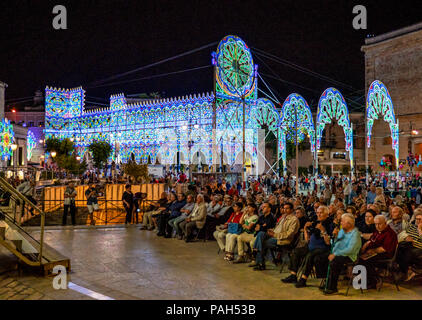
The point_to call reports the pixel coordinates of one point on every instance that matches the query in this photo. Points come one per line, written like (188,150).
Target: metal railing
(16,195)
(107,215)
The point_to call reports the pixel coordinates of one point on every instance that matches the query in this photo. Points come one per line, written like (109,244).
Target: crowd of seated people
(322,235)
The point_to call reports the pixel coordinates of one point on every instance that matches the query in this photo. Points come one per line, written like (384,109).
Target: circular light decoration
(31,143)
(235,66)
(7,137)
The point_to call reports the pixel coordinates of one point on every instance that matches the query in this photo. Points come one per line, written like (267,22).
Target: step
(18,245)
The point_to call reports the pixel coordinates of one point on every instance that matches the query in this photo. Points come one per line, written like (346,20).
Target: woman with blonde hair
(380,199)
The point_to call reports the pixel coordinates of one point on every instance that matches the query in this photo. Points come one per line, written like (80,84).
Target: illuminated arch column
(331,106)
(379,103)
(295,109)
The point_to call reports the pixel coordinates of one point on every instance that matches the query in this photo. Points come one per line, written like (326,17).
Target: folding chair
(198,231)
(350,266)
(388,265)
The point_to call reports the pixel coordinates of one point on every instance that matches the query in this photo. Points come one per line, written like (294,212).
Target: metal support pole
(316,154)
(244,145)
(398,152)
(278,153)
(214,122)
(297,156)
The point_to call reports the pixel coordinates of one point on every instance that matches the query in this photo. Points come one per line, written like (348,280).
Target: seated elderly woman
(221,232)
(246,227)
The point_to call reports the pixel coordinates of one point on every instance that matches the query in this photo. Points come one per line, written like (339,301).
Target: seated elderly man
(213,207)
(410,249)
(317,235)
(397,223)
(185,211)
(218,215)
(196,219)
(346,250)
(156,208)
(380,246)
(282,235)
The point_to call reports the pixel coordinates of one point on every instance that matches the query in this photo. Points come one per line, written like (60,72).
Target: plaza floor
(126,263)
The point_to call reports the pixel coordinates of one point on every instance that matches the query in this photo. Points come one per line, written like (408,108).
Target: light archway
(379,103)
(295,109)
(332,106)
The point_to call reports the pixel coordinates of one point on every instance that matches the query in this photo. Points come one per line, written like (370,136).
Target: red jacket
(236,218)
(386,239)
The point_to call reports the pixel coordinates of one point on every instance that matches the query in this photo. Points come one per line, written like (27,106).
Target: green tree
(65,158)
(101,151)
(137,171)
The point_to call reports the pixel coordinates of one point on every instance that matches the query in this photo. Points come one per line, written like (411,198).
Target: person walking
(69,203)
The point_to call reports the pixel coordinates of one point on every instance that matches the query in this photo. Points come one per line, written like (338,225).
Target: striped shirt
(412,231)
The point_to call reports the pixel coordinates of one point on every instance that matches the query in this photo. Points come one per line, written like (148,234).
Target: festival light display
(7,137)
(295,113)
(163,130)
(332,106)
(379,103)
(236,88)
(31,143)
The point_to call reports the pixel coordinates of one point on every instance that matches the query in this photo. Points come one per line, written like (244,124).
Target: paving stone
(131,264)
(6,282)
(35,296)
(12,284)
(28,291)
(18,297)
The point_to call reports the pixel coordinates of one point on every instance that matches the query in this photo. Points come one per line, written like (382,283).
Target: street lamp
(79,159)
(53,155)
(14,146)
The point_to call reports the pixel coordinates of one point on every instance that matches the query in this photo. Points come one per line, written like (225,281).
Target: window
(339,155)
(20,158)
(41,124)
(30,123)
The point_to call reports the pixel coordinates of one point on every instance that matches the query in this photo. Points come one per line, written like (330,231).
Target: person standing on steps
(69,203)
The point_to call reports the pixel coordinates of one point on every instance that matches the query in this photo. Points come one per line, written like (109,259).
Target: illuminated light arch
(265,113)
(7,136)
(31,143)
(295,104)
(379,103)
(331,106)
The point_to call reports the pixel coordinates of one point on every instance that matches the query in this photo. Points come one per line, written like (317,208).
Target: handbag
(235,228)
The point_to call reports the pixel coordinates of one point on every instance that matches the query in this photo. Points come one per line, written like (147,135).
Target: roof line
(394,34)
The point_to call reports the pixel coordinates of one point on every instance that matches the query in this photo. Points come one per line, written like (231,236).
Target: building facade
(395,58)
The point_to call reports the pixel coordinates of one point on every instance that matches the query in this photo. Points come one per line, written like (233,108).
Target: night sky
(105,38)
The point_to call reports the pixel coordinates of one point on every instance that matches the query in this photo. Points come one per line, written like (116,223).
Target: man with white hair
(346,250)
(398,223)
(410,250)
(196,219)
(381,245)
